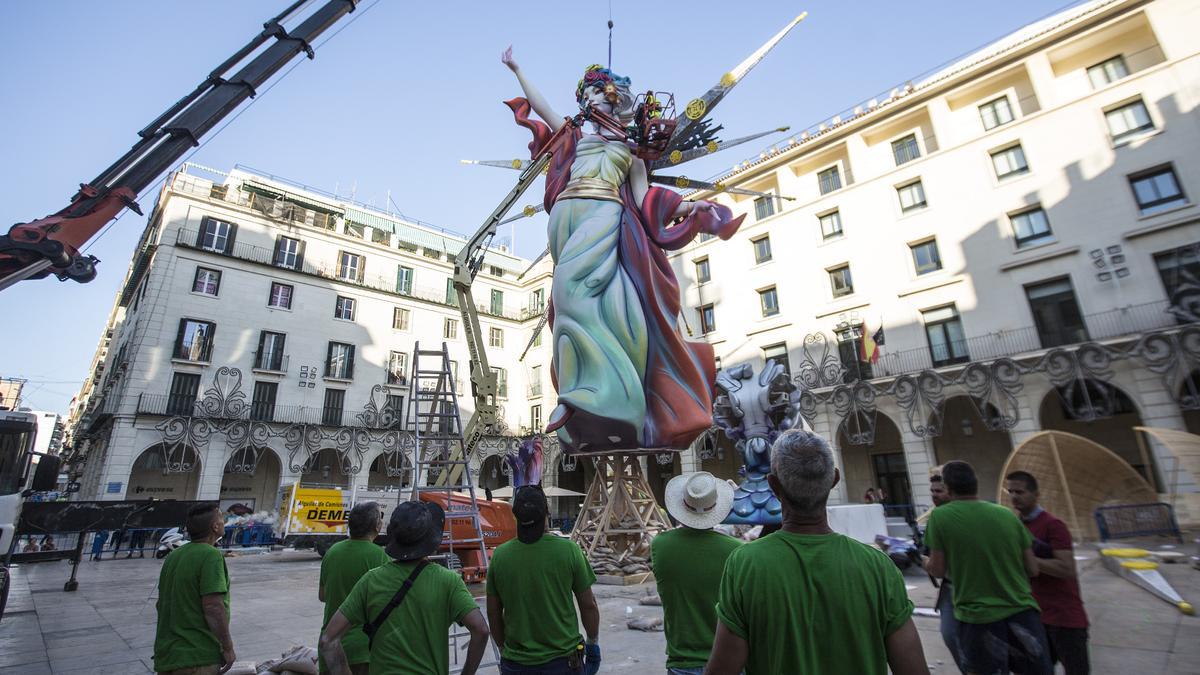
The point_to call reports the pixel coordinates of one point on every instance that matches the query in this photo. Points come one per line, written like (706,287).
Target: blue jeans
(949,624)
(685,671)
(555,667)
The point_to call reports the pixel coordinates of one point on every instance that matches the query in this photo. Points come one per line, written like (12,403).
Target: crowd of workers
(803,599)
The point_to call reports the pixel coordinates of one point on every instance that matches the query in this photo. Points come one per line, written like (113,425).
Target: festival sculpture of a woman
(626,377)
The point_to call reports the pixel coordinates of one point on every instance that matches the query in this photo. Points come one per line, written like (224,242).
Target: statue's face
(596,96)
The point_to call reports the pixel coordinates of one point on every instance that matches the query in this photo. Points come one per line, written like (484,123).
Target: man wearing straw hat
(1056,587)
(533,583)
(687,564)
(808,600)
(405,607)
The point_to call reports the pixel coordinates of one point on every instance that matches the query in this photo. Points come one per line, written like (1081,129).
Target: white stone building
(263,336)
(1021,225)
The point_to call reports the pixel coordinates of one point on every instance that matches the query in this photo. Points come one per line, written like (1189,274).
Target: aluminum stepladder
(436,424)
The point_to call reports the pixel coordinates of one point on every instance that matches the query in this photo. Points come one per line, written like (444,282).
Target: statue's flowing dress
(621,366)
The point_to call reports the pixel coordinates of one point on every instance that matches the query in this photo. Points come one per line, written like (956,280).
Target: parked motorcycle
(171,540)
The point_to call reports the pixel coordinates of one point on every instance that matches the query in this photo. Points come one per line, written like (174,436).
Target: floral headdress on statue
(597,75)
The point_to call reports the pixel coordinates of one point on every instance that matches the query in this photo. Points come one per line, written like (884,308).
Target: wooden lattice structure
(1075,476)
(619,511)
(1184,449)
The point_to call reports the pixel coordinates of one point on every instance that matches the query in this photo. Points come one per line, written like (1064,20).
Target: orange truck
(315,517)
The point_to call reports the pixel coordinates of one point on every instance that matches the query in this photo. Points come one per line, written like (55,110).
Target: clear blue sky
(395,100)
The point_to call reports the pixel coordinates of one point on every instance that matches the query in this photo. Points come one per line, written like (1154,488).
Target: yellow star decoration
(728,80)
(676,156)
(529,210)
(516,164)
(711,146)
(695,109)
(682,182)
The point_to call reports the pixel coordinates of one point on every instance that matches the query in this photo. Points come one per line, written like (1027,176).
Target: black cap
(415,530)
(530,508)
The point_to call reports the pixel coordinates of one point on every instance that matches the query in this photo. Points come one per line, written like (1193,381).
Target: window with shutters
(703,272)
(451,295)
(535,381)
(262,405)
(216,235)
(397,370)
(537,300)
(400,318)
(270,351)
(194,341)
(394,411)
(535,418)
(495,337)
(350,266)
(289,252)
(181,400)
(331,412)
(450,329)
(404,280)
(281,295)
(764,207)
(206,282)
(339,361)
(344,308)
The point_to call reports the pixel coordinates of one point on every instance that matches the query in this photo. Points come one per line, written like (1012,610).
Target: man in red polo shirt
(1056,587)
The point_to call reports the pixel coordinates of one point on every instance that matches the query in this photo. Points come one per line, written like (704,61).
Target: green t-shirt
(984,544)
(687,566)
(183,639)
(536,585)
(413,640)
(812,603)
(343,565)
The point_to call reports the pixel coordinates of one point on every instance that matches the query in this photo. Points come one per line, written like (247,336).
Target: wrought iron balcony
(1123,322)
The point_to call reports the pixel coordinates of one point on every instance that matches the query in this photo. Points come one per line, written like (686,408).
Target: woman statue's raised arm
(535,98)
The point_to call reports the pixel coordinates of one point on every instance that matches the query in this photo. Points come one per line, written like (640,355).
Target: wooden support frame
(619,511)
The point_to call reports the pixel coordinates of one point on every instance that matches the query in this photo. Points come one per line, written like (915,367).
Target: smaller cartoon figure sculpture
(753,413)
(526,463)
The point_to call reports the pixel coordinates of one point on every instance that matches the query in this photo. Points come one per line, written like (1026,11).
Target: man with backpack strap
(406,607)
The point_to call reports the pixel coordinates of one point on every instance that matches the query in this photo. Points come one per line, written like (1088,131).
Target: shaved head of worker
(770,585)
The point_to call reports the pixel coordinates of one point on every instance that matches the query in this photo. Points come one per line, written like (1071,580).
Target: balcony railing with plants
(167,405)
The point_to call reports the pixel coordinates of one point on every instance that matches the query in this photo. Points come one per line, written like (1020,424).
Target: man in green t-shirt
(412,638)
(988,552)
(193,601)
(688,562)
(342,566)
(806,600)
(530,584)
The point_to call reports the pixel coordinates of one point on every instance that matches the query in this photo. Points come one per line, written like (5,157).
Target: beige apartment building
(1022,225)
